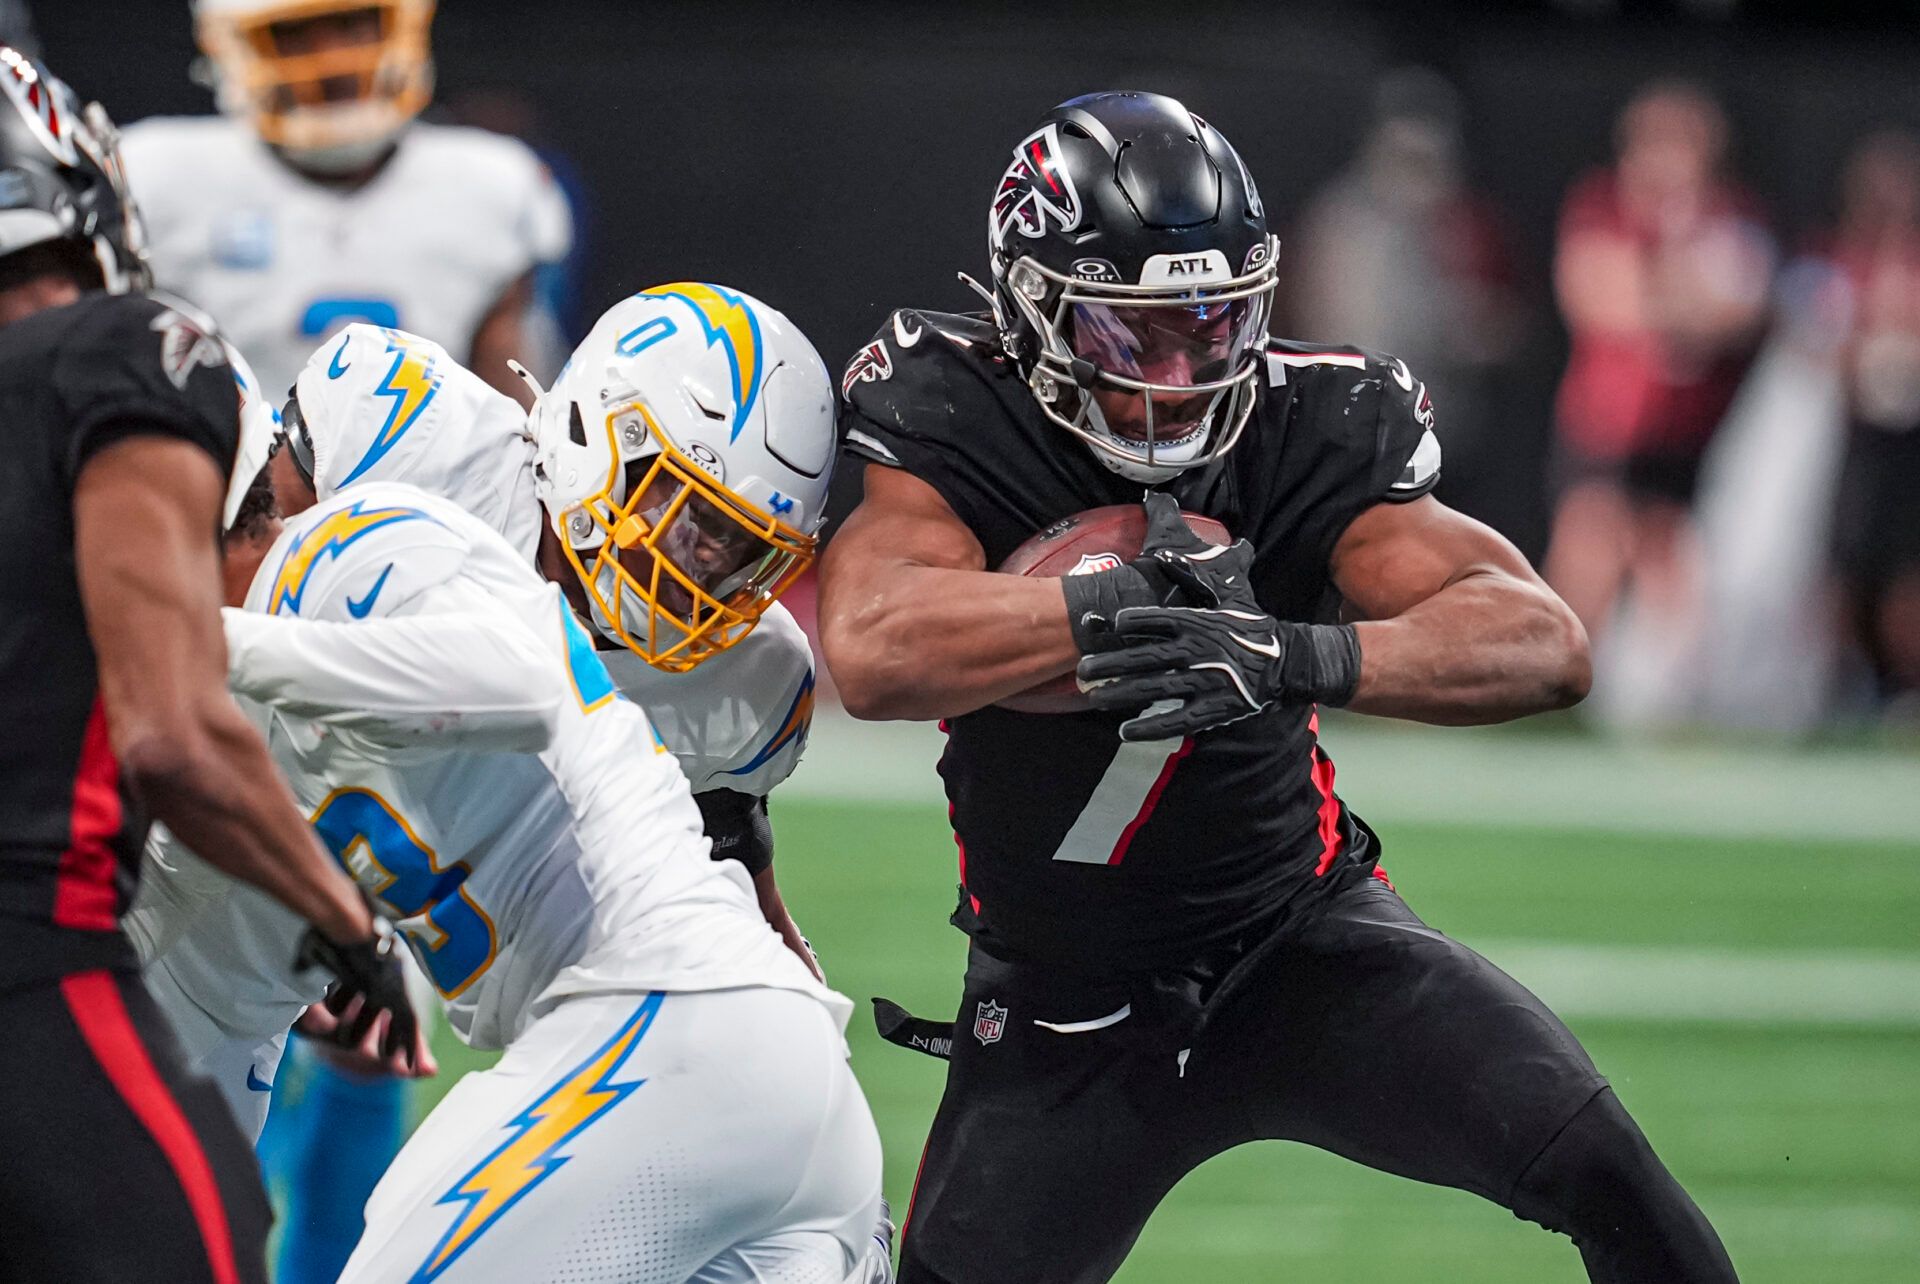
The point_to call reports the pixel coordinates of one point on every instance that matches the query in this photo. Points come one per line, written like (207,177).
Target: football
(1096,540)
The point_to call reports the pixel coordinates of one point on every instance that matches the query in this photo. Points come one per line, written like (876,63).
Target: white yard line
(1743,987)
(1393,773)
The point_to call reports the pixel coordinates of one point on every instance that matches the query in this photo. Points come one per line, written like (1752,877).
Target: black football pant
(1362,1031)
(115,1166)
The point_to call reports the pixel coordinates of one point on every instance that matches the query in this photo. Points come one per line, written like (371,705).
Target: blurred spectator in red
(1397,254)
(1876,249)
(1662,274)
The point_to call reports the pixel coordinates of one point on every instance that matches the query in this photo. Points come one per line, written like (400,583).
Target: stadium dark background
(836,159)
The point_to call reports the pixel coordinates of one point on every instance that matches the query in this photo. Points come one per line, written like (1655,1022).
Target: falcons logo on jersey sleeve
(869,365)
(1035,189)
(186,340)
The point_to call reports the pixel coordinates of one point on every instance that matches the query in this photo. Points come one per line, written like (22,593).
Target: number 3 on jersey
(455,937)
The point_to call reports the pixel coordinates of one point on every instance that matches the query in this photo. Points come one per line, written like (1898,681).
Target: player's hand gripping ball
(1096,542)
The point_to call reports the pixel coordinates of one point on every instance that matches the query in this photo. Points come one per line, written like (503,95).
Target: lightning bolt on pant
(641,1137)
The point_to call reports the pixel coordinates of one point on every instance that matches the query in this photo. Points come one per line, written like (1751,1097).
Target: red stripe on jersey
(1381,874)
(958,842)
(913,1194)
(1139,822)
(94,1000)
(1332,838)
(83,894)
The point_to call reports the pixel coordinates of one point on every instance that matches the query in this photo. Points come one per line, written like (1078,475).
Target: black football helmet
(1133,279)
(60,176)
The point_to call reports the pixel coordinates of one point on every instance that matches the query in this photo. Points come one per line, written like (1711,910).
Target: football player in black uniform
(121,418)
(1181,937)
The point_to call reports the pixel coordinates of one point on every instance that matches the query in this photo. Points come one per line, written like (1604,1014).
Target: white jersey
(429,244)
(443,719)
(217,952)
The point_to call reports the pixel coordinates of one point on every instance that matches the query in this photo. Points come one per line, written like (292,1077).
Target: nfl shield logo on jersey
(990,1023)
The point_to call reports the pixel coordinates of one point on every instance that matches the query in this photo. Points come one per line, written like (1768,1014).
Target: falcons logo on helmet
(869,365)
(38,102)
(186,342)
(1035,189)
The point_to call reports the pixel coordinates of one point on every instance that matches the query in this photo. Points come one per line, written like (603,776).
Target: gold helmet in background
(329,82)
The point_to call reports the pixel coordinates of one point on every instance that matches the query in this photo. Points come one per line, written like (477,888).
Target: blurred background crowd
(1659,262)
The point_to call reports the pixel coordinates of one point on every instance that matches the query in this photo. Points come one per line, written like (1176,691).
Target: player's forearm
(213,784)
(773,907)
(921,642)
(390,680)
(1487,648)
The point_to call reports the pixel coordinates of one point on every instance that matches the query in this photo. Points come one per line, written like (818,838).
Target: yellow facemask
(685,567)
(315,75)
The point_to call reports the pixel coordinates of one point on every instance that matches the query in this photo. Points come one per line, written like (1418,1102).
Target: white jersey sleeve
(740,720)
(396,682)
(365,624)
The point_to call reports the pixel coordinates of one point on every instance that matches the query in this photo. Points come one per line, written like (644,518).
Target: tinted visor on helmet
(1167,348)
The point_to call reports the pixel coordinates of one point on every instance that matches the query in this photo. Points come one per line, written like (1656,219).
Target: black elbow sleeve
(738,827)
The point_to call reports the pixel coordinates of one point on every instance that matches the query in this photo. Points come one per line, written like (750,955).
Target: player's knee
(1593,1174)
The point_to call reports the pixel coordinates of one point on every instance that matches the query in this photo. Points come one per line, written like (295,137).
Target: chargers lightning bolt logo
(410,383)
(528,1157)
(728,322)
(794,726)
(330,537)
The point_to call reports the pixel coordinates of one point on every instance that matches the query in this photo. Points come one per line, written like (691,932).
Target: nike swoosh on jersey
(358,610)
(255,1083)
(901,335)
(335,367)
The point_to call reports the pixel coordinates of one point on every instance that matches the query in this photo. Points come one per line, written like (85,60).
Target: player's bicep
(903,520)
(1392,557)
(146,510)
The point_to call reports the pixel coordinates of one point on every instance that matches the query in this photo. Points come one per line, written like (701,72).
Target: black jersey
(1076,846)
(75,379)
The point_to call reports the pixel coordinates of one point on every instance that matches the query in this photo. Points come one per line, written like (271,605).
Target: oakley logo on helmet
(871,364)
(1036,188)
(1095,270)
(703,455)
(1256,258)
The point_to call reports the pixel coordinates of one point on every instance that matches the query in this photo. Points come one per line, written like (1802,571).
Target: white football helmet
(683,456)
(329,82)
(377,404)
(259,428)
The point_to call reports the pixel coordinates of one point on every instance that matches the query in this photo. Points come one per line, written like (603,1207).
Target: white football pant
(697,1138)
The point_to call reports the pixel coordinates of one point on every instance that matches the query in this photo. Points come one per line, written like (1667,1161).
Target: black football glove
(1217,657)
(372,972)
(1095,601)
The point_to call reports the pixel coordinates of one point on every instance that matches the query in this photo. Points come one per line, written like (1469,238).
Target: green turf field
(1756,1002)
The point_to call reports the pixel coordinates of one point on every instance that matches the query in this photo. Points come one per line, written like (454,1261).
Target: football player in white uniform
(381,405)
(442,713)
(317,198)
